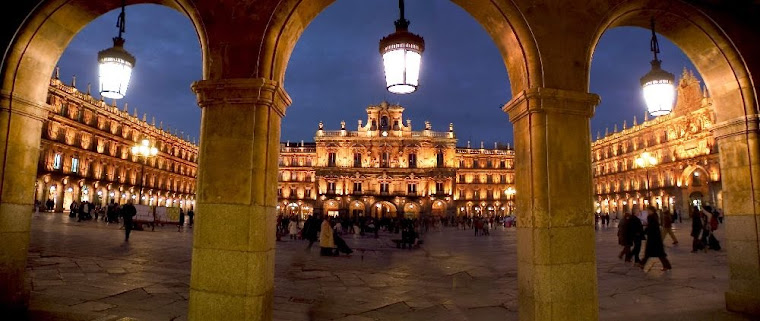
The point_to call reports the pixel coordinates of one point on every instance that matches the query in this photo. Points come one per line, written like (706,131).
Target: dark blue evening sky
(335,71)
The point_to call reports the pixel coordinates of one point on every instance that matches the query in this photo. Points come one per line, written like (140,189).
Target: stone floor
(84,271)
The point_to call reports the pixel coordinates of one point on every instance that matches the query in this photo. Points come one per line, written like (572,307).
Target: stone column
(739,146)
(20,132)
(555,233)
(232,275)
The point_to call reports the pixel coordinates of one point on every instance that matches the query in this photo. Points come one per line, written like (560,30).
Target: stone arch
(46,33)
(502,20)
(724,72)
(383,209)
(412,210)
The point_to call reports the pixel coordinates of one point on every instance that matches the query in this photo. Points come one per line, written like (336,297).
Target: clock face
(385,134)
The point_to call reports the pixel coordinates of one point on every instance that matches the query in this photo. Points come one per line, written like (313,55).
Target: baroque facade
(85,155)
(384,168)
(686,172)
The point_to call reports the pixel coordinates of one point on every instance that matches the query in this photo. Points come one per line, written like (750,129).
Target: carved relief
(70,136)
(85,140)
(113,147)
(101,145)
(53,129)
(125,131)
(88,116)
(73,111)
(102,122)
(114,126)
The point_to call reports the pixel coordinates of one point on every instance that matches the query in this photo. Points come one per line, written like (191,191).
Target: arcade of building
(85,155)
(547,48)
(384,168)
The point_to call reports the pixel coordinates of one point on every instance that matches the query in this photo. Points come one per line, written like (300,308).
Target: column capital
(737,126)
(22,106)
(550,100)
(253,91)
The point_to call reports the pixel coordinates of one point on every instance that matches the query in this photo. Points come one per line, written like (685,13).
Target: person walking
(128,211)
(326,240)
(696,230)
(623,237)
(655,246)
(635,233)
(310,231)
(190,217)
(181,222)
(293,229)
(667,226)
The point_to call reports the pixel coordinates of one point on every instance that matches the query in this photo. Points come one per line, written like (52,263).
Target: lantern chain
(654,46)
(120,21)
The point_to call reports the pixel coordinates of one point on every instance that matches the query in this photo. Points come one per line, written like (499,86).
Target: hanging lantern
(658,85)
(115,65)
(402,56)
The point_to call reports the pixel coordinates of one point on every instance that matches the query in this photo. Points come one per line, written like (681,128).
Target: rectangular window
(439,188)
(489,164)
(331,159)
(384,188)
(279,191)
(384,160)
(439,160)
(461,164)
(503,164)
(411,188)
(489,179)
(475,164)
(502,179)
(293,192)
(357,186)
(330,187)
(307,193)
(412,160)
(57,161)
(461,178)
(74,164)
(357,160)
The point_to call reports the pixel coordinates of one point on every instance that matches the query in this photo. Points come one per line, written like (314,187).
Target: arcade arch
(245,56)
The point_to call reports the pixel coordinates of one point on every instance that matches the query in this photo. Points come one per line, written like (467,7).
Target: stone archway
(726,73)
(35,47)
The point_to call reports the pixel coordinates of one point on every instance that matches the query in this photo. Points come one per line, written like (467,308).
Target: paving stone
(454,276)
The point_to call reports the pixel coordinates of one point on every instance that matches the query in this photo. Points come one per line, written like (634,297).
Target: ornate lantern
(115,65)
(658,85)
(402,56)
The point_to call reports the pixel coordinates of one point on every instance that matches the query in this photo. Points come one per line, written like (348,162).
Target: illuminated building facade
(686,169)
(85,155)
(384,168)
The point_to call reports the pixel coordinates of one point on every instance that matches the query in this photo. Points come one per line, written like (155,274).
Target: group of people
(330,243)
(650,226)
(604,219)
(704,222)
(655,227)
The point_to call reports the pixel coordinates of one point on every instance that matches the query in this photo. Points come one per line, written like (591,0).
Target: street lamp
(646,160)
(115,64)
(143,150)
(657,84)
(402,56)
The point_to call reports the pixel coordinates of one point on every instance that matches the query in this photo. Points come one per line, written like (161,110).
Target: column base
(743,303)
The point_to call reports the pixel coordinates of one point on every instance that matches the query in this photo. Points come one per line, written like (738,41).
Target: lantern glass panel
(114,77)
(659,97)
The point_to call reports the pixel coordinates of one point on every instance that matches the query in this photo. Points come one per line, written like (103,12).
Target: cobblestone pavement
(84,271)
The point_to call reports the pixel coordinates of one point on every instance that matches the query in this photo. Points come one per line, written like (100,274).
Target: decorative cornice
(550,100)
(737,126)
(253,91)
